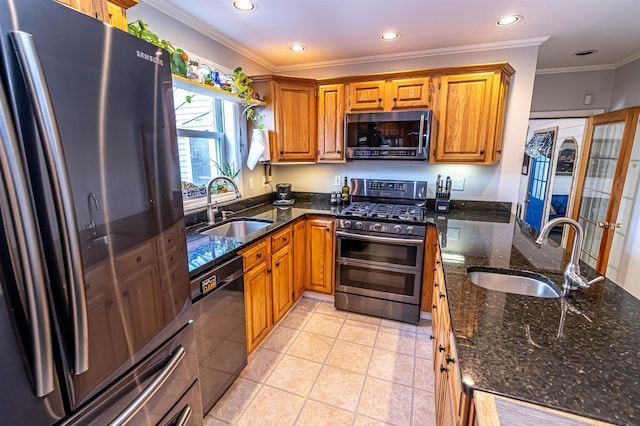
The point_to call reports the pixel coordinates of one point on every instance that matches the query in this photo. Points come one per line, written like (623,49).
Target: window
(208,128)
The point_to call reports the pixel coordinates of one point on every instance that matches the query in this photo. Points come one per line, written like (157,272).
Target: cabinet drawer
(135,259)
(280,239)
(256,254)
(168,240)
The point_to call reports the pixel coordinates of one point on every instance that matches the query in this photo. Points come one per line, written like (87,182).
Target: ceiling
(348,31)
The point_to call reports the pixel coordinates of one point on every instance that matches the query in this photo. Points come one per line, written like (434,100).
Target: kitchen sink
(236,228)
(513,281)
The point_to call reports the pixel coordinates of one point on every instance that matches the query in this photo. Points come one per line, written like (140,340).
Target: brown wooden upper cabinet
(290,117)
(331,103)
(470,115)
(390,95)
(113,12)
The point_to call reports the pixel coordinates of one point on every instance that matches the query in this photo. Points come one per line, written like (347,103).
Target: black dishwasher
(218,302)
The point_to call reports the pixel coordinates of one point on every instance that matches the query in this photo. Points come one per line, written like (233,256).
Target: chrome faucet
(212,208)
(572,278)
(96,204)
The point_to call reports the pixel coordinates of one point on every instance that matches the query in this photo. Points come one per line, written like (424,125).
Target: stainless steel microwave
(399,135)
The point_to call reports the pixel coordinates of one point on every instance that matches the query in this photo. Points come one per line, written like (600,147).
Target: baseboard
(318,296)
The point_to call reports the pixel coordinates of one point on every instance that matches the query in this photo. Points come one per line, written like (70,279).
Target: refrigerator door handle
(29,254)
(184,416)
(153,387)
(61,188)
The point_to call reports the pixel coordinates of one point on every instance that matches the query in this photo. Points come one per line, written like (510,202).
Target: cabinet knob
(440,348)
(277,264)
(436,284)
(441,295)
(435,244)
(435,269)
(268,271)
(433,306)
(284,238)
(379,100)
(395,100)
(431,337)
(281,152)
(327,229)
(449,359)
(338,152)
(482,151)
(259,255)
(443,369)
(438,262)
(499,151)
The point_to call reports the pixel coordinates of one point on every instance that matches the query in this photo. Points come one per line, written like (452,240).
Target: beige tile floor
(320,366)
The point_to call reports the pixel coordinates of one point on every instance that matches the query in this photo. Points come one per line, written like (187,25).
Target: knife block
(442,202)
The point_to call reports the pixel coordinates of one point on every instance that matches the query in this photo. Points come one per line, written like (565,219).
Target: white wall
(566,91)
(626,86)
(488,183)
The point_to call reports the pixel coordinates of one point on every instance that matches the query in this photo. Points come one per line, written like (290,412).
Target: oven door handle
(377,239)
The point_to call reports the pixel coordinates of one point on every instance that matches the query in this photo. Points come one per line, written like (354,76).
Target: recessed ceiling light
(389,36)
(509,20)
(297,48)
(244,5)
(584,52)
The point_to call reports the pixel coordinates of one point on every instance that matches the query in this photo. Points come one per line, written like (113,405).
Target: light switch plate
(250,183)
(336,180)
(457,184)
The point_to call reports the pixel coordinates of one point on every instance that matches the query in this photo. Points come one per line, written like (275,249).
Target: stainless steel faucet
(212,208)
(572,278)
(96,204)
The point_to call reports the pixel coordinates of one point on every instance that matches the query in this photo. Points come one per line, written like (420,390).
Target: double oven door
(383,267)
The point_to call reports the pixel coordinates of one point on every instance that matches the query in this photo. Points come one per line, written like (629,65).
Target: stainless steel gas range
(380,249)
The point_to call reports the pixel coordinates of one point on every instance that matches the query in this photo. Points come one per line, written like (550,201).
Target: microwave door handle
(61,188)
(29,259)
(421,133)
(377,239)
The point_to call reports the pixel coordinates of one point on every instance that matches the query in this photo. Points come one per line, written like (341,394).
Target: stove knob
(347,224)
(359,225)
(377,227)
(397,228)
(410,230)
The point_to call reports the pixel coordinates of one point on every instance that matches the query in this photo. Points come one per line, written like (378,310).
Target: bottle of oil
(345,192)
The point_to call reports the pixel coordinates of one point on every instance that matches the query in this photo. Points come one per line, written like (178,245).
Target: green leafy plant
(242,83)
(179,57)
(227,169)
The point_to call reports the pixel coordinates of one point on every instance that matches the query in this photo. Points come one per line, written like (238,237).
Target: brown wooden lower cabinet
(452,404)
(300,258)
(321,245)
(268,283)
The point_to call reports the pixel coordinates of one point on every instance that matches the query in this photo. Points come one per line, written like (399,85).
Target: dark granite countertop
(519,346)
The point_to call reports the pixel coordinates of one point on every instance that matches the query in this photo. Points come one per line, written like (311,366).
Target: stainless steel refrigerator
(95,310)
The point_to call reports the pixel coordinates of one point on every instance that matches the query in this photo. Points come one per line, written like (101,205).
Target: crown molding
(196,24)
(481,47)
(628,59)
(585,68)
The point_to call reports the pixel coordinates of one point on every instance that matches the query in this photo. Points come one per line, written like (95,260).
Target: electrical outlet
(337,180)
(457,184)
(250,183)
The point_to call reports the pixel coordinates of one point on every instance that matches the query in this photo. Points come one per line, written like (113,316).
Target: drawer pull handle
(139,259)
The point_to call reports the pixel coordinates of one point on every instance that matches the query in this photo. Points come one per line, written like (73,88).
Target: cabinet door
(464,118)
(331,122)
(117,16)
(257,295)
(300,258)
(94,8)
(366,96)
(409,93)
(295,122)
(282,282)
(321,254)
(503,95)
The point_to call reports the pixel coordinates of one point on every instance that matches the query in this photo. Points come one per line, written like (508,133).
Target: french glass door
(608,148)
